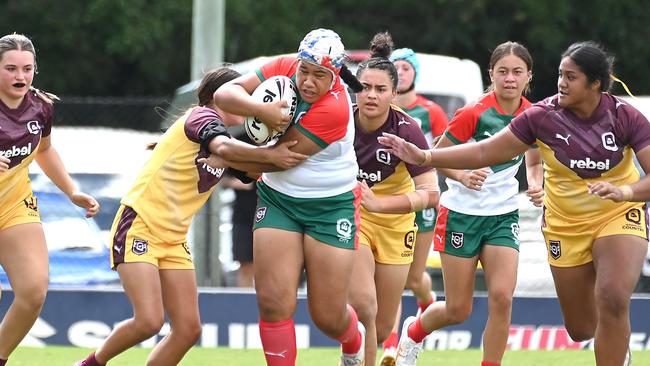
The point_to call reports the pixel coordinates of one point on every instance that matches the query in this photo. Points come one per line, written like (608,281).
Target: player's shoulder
(335,102)
(401,122)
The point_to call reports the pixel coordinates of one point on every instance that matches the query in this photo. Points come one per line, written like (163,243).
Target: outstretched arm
(497,149)
(472,179)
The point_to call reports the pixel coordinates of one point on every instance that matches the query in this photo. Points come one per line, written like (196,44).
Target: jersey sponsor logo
(335,94)
(33,127)
(373,177)
(457,239)
(609,142)
(590,164)
(409,240)
(344,230)
(565,139)
(117,248)
(17,151)
(260,214)
(140,246)
(402,121)
(555,249)
(217,172)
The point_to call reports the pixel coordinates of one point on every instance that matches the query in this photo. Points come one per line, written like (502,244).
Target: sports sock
(279,342)
(3,362)
(91,361)
(351,337)
(415,331)
(485,363)
(423,306)
(391,341)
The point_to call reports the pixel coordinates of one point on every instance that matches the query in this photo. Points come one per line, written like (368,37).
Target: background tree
(142,47)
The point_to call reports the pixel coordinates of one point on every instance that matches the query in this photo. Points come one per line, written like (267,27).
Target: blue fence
(83,318)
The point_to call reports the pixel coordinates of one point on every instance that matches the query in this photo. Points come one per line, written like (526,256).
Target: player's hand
(606,191)
(282,156)
(368,199)
(273,116)
(404,150)
(85,201)
(535,195)
(474,179)
(4,164)
(214,161)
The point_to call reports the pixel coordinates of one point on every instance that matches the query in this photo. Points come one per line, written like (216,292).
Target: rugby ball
(270,90)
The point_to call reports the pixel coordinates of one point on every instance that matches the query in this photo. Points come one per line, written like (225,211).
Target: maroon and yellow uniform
(390,236)
(21,130)
(575,152)
(153,221)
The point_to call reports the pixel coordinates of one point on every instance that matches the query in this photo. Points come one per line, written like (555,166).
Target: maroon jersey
(386,174)
(21,130)
(576,151)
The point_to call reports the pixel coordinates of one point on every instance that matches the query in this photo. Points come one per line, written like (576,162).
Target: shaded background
(141,48)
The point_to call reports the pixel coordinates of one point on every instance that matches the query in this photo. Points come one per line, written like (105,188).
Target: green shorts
(332,220)
(463,235)
(426,220)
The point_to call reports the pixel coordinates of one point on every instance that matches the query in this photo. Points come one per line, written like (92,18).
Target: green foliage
(142,47)
(106,47)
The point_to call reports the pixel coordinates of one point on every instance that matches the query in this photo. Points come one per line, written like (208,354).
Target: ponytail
(350,79)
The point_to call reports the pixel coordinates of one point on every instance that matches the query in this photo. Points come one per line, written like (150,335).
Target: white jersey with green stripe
(497,196)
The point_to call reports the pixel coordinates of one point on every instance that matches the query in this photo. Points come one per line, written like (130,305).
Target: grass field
(66,356)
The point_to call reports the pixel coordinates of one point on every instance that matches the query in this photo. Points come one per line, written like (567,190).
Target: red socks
(351,338)
(485,363)
(391,341)
(416,332)
(423,306)
(279,342)
(89,361)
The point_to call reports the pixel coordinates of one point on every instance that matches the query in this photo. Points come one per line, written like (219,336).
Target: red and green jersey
(577,151)
(474,123)
(330,124)
(430,116)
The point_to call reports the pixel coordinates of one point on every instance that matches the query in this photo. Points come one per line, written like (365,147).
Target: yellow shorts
(389,245)
(21,212)
(132,242)
(569,242)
